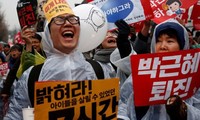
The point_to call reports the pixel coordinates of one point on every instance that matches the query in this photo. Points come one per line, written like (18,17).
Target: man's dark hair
(37,36)
(18,47)
(6,45)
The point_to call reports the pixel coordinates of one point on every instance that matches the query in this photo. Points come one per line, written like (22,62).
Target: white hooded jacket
(126,109)
(57,66)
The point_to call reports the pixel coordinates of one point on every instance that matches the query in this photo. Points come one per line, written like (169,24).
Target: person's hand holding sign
(123,27)
(27,34)
(176,108)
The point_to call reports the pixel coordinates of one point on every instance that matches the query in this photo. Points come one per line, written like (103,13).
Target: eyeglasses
(71,19)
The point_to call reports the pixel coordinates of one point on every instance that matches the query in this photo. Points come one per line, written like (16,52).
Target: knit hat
(172,25)
(54,8)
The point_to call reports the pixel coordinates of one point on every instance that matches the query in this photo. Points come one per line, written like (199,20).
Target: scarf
(103,55)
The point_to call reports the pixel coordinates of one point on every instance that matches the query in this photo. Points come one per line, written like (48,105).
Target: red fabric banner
(195,15)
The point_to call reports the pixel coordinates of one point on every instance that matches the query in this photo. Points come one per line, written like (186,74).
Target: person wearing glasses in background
(103,52)
(61,35)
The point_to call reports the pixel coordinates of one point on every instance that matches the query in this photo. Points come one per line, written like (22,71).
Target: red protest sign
(18,39)
(26,14)
(147,9)
(3,68)
(166,9)
(158,76)
(195,15)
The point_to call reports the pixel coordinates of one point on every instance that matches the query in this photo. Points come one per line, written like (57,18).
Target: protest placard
(166,9)
(3,69)
(88,100)
(158,76)
(26,14)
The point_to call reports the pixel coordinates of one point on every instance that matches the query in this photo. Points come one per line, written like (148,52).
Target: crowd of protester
(112,56)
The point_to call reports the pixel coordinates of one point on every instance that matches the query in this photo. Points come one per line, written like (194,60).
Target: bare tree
(3,27)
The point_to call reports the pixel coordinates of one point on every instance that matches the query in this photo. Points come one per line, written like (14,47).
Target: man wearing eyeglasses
(63,62)
(69,27)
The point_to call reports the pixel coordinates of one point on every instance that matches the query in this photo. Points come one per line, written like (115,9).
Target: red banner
(158,76)
(165,9)
(196,15)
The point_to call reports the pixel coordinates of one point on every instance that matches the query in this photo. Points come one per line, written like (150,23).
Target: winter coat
(126,108)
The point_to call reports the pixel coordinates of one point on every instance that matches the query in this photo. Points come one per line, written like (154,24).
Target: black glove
(176,108)
(123,27)
(123,43)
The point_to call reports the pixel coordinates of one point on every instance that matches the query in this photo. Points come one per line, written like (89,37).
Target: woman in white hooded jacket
(126,109)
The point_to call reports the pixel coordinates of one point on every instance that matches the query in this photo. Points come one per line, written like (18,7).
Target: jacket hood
(47,43)
(61,66)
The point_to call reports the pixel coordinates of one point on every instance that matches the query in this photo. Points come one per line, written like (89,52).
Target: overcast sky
(9,8)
